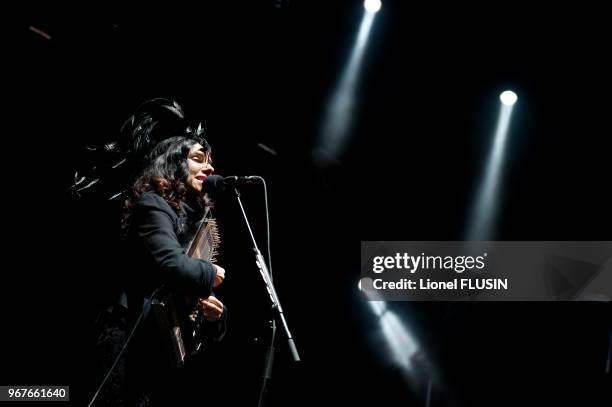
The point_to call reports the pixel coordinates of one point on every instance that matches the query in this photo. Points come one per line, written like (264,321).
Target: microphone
(216,182)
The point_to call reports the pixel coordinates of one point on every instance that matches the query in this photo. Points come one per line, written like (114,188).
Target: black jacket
(156,246)
(156,249)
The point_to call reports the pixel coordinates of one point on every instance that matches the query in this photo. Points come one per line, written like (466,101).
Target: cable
(145,309)
(263,181)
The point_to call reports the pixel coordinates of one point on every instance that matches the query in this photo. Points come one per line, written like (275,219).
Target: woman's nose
(208,169)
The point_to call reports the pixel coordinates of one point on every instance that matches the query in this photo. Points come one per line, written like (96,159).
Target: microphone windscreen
(213,183)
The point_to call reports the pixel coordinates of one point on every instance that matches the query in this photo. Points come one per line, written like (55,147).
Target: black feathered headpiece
(111,166)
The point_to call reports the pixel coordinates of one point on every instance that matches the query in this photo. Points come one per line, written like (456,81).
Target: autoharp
(181,325)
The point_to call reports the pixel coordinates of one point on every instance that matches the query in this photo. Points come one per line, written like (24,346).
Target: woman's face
(199,167)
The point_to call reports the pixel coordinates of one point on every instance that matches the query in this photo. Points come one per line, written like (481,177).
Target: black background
(262,72)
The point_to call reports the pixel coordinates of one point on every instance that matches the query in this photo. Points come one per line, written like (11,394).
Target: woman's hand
(219,277)
(211,308)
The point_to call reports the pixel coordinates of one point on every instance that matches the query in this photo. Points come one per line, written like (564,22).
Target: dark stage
(262,74)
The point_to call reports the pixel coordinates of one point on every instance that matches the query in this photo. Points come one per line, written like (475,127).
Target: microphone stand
(267,372)
(275,304)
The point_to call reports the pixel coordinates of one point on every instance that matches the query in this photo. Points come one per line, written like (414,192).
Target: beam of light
(403,348)
(402,345)
(339,112)
(372,6)
(378,306)
(483,213)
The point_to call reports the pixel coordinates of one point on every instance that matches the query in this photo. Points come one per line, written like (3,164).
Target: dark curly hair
(105,170)
(165,174)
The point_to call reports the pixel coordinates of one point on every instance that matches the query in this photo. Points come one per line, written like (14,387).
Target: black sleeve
(154,226)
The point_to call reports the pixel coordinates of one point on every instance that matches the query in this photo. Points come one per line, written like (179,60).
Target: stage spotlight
(340,111)
(372,6)
(483,217)
(508,98)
